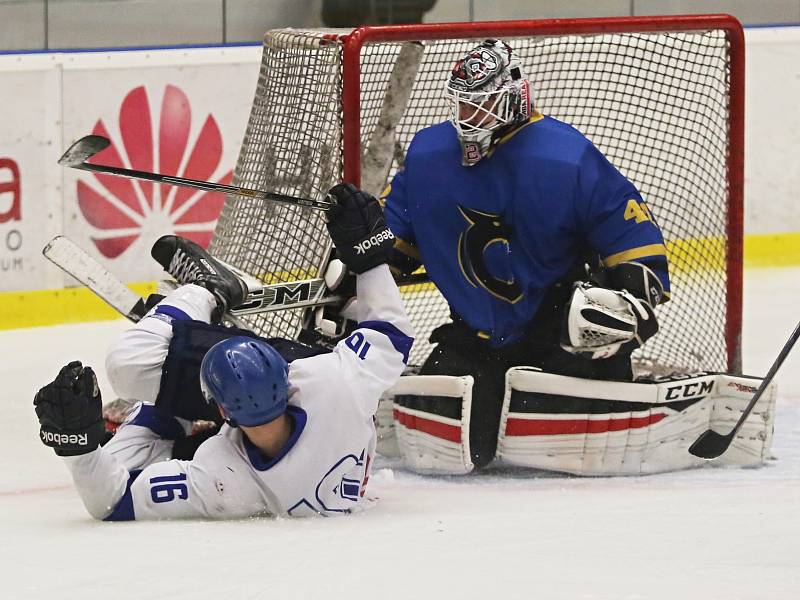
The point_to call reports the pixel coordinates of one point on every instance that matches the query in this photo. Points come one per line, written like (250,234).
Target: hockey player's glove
(70,411)
(601,322)
(358,228)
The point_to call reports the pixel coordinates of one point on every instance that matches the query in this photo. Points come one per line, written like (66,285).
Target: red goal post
(662,97)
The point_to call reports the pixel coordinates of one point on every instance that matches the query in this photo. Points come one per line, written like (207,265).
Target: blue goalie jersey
(494,237)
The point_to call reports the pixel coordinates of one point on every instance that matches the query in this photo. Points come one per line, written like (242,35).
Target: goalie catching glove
(601,322)
(358,228)
(70,411)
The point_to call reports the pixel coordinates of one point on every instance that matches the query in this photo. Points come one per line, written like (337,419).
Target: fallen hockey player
(299,438)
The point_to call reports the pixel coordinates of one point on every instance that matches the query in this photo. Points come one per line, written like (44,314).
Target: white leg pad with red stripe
(590,427)
(384,426)
(431,423)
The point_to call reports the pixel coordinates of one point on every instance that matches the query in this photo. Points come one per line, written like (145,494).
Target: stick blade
(710,444)
(83,150)
(73,260)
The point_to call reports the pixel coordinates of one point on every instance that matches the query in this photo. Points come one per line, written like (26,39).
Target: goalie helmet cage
(662,97)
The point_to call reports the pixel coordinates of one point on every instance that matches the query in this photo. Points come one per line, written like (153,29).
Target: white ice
(708,533)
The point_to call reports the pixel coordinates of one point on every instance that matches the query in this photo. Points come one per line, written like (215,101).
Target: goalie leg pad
(751,445)
(588,427)
(384,427)
(431,423)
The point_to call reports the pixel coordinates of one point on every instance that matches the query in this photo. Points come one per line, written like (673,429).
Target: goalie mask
(488,96)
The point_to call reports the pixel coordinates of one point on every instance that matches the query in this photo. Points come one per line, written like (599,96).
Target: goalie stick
(261,298)
(711,444)
(86,147)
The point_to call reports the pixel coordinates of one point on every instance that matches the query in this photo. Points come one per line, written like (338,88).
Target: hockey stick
(711,444)
(377,160)
(75,261)
(64,253)
(86,147)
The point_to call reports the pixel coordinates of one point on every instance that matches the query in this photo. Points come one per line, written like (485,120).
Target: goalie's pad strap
(431,422)
(179,394)
(589,427)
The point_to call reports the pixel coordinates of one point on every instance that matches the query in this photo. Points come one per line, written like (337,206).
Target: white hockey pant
(135,358)
(133,366)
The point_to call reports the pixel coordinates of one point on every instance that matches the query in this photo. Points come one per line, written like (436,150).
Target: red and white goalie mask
(488,96)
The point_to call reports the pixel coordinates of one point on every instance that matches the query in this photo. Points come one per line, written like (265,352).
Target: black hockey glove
(358,228)
(70,411)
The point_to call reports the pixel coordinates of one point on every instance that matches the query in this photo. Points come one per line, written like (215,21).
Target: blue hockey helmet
(247,378)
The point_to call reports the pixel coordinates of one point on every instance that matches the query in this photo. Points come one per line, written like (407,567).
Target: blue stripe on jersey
(257,458)
(401,342)
(172,311)
(162,425)
(123,511)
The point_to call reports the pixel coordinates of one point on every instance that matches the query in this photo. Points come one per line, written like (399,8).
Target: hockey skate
(189,263)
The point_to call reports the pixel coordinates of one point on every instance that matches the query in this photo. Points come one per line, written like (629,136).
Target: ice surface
(709,533)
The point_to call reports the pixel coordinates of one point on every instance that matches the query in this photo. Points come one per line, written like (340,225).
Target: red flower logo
(121,208)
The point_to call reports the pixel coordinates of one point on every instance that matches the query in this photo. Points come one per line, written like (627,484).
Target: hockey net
(661,97)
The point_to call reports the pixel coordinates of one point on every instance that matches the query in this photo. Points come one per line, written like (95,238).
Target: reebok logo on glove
(358,230)
(50,438)
(375,240)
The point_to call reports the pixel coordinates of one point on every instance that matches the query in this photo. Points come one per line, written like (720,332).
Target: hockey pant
(157,361)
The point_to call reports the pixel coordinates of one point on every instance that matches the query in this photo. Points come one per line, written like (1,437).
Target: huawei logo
(120,209)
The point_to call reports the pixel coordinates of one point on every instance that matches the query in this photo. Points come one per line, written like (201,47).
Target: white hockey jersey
(324,467)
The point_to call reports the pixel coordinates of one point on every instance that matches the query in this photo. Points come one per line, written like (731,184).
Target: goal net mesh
(656,104)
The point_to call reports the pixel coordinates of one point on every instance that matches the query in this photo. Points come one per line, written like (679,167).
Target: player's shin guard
(430,416)
(589,427)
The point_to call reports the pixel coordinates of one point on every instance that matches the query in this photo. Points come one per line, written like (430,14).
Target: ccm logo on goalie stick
(64,438)
(375,240)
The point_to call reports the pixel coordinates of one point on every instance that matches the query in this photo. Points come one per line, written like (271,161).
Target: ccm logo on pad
(690,390)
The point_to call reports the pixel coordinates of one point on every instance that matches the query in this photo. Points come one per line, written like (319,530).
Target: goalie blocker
(578,426)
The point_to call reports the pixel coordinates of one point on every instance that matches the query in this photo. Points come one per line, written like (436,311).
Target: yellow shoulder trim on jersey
(634,253)
(536,116)
(406,248)
(385,194)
